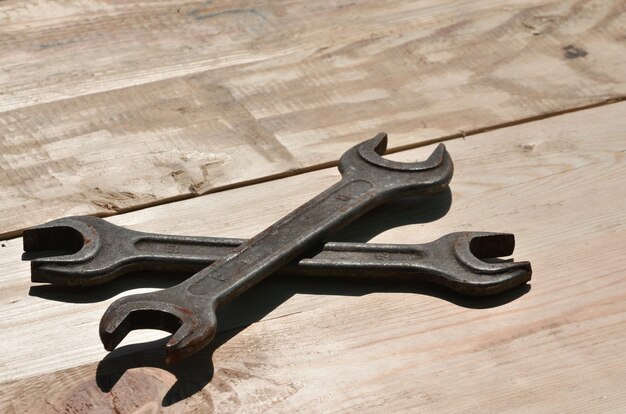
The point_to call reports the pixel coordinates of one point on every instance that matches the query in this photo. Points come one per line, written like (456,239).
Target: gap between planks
(462,134)
(108,116)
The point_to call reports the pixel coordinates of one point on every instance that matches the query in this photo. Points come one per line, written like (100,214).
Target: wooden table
(217,118)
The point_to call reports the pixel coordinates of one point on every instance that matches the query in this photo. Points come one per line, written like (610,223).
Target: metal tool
(188,309)
(86,251)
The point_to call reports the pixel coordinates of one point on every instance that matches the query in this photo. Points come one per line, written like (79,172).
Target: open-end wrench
(188,309)
(87,251)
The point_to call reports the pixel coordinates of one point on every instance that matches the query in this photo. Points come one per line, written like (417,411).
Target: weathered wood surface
(108,106)
(323,346)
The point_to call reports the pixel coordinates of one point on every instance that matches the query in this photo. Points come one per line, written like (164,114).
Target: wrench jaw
(470,274)
(81,251)
(397,179)
(191,337)
(192,325)
(61,250)
(54,237)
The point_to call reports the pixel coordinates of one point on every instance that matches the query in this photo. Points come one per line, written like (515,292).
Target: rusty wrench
(188,309)
(87,251)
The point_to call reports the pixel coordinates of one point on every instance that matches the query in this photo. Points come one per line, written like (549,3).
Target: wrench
(188,310)
(86,251)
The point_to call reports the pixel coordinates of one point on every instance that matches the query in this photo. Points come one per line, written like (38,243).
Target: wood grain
(345,346)
(109,106)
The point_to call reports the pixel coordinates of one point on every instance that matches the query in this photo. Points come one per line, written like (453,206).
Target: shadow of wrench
(188,310)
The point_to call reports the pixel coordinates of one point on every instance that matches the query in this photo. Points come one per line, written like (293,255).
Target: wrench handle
(156,252)
(367,260)
(291,236)
(181,251)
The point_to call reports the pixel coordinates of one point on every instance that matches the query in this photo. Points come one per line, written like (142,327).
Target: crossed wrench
(188,310)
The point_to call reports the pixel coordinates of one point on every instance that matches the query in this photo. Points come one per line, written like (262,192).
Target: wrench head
(193,324)
(477,269)
(396,179)
(74,251)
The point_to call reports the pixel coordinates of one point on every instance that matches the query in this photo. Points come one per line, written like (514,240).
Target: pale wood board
(108,106)
(324,346)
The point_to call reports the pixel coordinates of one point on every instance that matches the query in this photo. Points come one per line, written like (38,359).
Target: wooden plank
(558,184)
(111,106)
